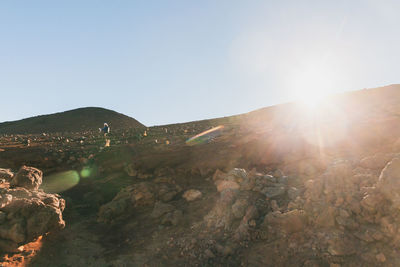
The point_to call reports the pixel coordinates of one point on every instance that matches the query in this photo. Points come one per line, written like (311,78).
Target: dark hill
(76,120)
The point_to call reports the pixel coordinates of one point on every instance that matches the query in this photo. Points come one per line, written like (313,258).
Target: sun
(310,98)
(311,86)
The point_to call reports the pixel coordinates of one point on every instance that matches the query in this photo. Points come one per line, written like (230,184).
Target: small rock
(275,191)
(6,174)
(192,194)
(208,254)
(160,209)
(239,208)
(293,193)
(172,218)
(380,257)
(289,222)
(130,170)
(223,185)
(274,205)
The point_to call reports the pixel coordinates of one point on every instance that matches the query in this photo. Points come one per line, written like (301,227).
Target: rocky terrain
(280,186)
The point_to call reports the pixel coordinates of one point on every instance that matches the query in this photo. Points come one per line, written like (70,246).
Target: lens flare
(86,172)
(60,182)
(205,136)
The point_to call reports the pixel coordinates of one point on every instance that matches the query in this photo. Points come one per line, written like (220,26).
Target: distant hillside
(81,119)
(369,103)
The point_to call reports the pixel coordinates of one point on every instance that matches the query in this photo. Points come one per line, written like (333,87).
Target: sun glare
(311,86)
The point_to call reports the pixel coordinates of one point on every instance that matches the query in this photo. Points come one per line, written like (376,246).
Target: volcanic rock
(160,209)
(192,194)
(27,214)
(141,194)
(286,223)
(6,174)
(27,177)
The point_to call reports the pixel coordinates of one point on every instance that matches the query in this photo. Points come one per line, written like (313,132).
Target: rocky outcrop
(6,174)
(27,213)
(138,195)
(345,214)
(27,177)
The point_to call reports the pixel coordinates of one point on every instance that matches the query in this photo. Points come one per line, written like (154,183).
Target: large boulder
(27,177)
(25,215)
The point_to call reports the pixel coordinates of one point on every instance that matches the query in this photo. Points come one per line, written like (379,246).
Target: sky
(173,61)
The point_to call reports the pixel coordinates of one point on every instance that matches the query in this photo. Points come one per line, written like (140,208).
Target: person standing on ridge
(105,130)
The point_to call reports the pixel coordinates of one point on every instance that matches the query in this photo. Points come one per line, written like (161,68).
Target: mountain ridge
(75,120)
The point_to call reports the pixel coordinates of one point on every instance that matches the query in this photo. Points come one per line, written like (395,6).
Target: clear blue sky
(175,61)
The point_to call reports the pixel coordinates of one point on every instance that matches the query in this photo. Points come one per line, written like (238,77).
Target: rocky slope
(274,187)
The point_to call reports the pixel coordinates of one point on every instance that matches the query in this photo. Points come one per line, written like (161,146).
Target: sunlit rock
(27,177)
(192,194)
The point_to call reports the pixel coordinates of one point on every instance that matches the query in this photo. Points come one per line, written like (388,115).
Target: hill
(76,120)
(285,185)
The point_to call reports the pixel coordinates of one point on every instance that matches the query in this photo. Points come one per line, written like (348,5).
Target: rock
(5,199)
(283,180)
(6,174)
(389,182)
(27,177)
(192,194)
(142,194)
(289,222)
(143,175)
(130,170)
(380,257)
(172,218)
(231,180)
(278,173)
(238,173)
(275,191)
(293,193)
(160,209)
(224,185)
(26,215)
(239,208)
(274,205)
(218,175)
(221,215)
(326,218)
(166,192)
